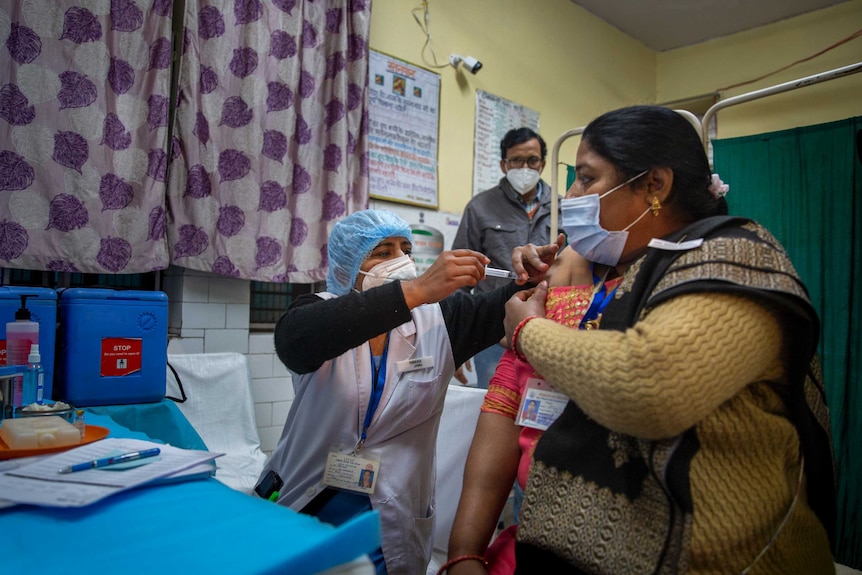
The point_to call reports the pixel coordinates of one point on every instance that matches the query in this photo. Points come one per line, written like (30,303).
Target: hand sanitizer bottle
(34,378)
(20,335)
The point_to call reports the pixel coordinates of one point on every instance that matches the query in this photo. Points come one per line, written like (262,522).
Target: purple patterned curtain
(271,135)
(83,127)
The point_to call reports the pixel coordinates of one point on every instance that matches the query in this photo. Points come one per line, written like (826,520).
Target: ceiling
(668,24)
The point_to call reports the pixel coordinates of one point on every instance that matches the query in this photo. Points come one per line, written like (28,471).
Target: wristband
(515,334)
(451,562)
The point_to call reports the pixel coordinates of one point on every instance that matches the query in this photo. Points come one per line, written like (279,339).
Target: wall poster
(404,112)
(494,117)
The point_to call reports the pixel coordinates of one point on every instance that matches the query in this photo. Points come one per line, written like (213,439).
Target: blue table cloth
(161,421)
(198,526)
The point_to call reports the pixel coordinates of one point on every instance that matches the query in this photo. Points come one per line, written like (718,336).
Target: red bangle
(517,332)
(451,562)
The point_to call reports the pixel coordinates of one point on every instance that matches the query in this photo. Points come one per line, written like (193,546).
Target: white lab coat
(329,409)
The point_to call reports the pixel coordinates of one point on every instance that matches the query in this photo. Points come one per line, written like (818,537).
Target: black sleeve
(314,330)
(475,321)
(468,236)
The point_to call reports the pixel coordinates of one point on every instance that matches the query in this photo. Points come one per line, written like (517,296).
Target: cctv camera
(472,64)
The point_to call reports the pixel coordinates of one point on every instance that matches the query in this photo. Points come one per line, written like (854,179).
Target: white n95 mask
(580,221)
(400,268)
(523,179)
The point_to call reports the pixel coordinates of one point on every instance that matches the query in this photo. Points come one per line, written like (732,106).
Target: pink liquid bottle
(21,334)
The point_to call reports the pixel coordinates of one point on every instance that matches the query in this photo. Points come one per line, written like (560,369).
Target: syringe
(498,273)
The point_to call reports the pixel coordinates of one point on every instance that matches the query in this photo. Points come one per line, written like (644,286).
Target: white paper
(9,464)
(41,483)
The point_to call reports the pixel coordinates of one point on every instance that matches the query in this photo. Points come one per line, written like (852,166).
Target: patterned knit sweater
(716,362)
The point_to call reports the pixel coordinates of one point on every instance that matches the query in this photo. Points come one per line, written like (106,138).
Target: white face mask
(580,221)
(523,179)
(400,268)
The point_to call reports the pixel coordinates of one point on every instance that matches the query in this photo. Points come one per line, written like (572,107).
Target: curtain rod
(777,89)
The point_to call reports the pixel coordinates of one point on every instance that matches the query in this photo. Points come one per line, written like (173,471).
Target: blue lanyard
(601,298)
(377,384)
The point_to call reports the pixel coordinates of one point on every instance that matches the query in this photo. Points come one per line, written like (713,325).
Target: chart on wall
(403,111)
(494,117)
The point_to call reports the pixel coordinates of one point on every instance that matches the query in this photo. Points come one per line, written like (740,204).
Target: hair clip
(718,188)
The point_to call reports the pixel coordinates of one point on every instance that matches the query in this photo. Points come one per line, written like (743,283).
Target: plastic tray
(91,433)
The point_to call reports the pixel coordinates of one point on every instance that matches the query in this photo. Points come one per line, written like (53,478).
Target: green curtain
(570,178)
(805,186)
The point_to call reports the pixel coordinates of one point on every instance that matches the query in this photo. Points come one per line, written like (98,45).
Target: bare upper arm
(569,269)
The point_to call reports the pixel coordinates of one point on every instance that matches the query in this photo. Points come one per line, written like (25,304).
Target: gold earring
(655,208)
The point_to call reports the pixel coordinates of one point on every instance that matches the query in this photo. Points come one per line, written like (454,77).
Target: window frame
(263,315)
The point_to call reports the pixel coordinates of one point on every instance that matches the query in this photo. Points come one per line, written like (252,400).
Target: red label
(2,352)
(121,356)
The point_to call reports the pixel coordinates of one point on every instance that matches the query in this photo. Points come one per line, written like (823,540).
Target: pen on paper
(113,460)
(498,273)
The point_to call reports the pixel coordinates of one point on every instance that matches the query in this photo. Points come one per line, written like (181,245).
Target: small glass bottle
(34,378)
(79,422)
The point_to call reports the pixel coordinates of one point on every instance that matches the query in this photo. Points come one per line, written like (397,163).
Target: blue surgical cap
(353,239)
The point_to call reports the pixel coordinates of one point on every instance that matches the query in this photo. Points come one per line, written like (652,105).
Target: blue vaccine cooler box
(112,346)
(42,303)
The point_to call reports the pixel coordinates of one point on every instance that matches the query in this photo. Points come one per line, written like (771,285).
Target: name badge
(674,246)
(414,364)
(540,405)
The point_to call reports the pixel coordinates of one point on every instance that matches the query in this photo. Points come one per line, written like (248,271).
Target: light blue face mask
(580,221)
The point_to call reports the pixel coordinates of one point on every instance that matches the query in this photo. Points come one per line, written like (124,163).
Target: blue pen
(113,460)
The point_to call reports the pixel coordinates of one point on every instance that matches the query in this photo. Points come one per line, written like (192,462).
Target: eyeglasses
(532,162)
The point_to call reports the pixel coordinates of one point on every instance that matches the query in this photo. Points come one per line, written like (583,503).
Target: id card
(350,472)
(540,405)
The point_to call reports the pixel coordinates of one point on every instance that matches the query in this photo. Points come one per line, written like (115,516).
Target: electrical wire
(425,25)
(852,36)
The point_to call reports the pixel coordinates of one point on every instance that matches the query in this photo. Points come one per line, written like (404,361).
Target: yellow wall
(710,66)
(568,65)
(548,55)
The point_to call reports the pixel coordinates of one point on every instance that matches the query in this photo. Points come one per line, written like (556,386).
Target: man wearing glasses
(513,213)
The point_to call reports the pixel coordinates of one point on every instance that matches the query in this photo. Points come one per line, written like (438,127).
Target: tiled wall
(209,314)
